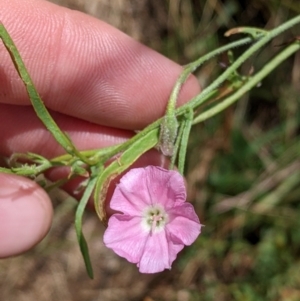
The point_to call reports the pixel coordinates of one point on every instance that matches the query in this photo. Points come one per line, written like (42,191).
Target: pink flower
(155,221)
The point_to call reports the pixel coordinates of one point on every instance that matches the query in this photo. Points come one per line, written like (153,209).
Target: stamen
(155,218)
(155,221)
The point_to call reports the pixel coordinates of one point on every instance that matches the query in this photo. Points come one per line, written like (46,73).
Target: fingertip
(25,214)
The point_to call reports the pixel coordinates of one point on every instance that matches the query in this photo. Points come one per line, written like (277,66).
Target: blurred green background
(243,174)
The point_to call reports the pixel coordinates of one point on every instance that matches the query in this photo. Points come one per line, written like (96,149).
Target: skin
(99,85)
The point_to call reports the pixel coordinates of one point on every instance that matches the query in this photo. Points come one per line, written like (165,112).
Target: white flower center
(154,218)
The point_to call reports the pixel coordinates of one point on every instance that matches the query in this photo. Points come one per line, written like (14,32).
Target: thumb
(25,214)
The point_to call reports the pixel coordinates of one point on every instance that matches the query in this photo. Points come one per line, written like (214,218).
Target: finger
(21,131)
(85,68)
(25,215)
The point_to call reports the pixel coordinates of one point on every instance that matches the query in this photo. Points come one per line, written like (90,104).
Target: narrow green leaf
(184,139)
(35,98)
(78,225)
(177,144)
(252,82)
(126,159)
(201,98)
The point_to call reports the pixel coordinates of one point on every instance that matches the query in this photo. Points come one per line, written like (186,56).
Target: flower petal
(131,195)
(141,187)
(126,237)
(165,187)
(152,253)
(155,257)
(174,248)
(184,225)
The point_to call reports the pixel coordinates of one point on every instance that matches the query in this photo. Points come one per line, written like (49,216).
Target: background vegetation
(242,170)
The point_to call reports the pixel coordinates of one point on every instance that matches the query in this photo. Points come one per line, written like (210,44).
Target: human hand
(99,86)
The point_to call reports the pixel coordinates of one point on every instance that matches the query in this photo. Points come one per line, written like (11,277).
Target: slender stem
(191,67)
(176,146)
(270,66)
(93,155)
(169,124)
(208,92)
(104,154)
(199,99)
(6,170)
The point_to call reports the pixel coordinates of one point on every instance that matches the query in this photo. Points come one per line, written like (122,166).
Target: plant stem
(199,99)
(270,66)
